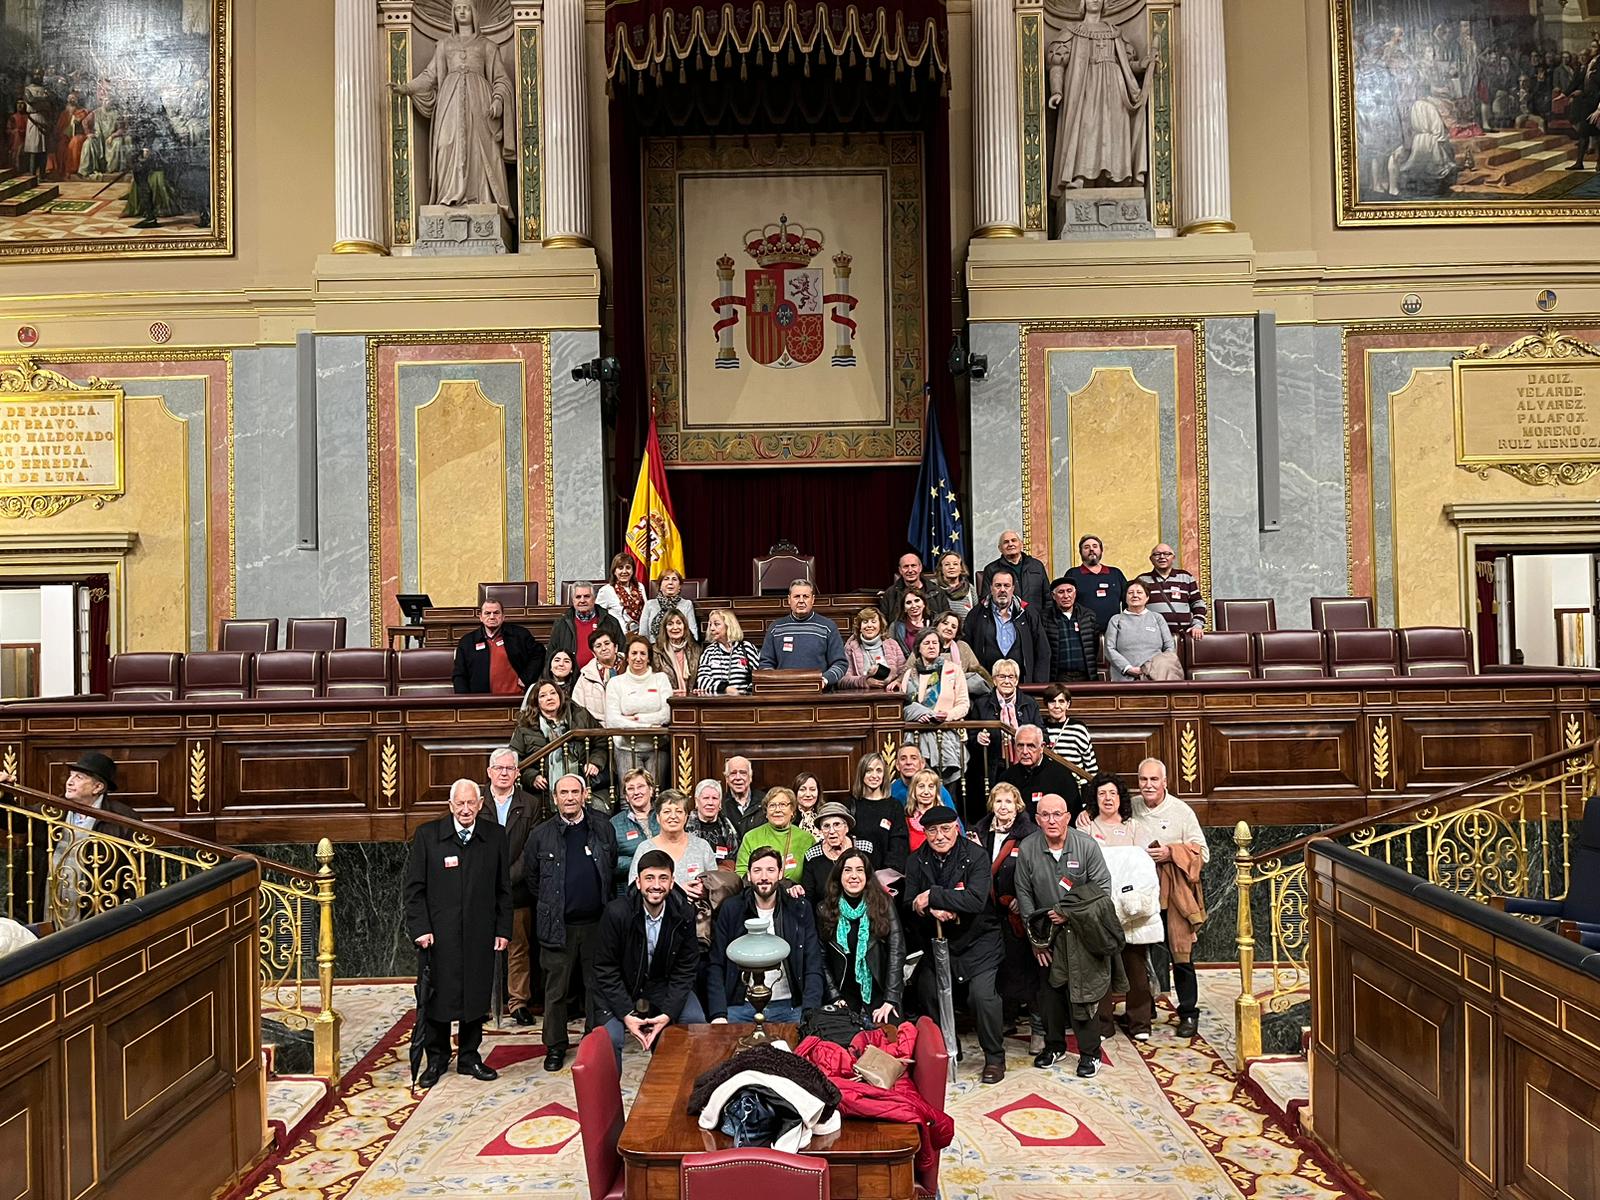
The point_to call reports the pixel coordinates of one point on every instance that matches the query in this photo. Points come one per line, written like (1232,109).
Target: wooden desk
(865,1158)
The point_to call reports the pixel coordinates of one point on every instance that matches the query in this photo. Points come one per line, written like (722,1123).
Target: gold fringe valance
(644,35)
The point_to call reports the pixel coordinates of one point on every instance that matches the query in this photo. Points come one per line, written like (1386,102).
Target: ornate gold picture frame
(60,442)
(118,136)
(1445,116)
(1531,409)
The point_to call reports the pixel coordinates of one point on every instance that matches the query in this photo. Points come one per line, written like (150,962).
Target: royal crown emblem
(785,299)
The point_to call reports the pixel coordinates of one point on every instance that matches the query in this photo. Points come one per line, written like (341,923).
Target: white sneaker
(1142,1037)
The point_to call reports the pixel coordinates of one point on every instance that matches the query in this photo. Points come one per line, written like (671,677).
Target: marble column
(565,124)
(358,128)
(1204,199)
(996,157)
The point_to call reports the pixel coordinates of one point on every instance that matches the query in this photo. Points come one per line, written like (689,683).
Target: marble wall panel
(501,384)
(996,471)
(578,459)
(1305,557)
(275,577)
(343,527)
(1132,453)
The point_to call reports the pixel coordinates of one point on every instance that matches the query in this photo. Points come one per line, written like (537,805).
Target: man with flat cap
(458,909)
(54,895)
(947,884)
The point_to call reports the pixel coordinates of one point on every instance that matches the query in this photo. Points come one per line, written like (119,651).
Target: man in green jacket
(1050,864)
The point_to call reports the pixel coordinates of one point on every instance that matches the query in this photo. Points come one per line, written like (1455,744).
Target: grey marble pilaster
(1388,373)
(502,383)
(579,460)
(345,550)
(1070,371)
(1231,447)
(275,577)
(997,499)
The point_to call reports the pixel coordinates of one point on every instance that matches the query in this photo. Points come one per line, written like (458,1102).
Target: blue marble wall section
(502,383)
(1307,556)
(578,454)
(1388,372)
(1069,371)
(344,542)
(275,577)
(996,475)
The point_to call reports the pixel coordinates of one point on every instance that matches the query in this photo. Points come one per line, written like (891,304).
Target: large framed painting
(118,128)
(1459,111)
(785,290)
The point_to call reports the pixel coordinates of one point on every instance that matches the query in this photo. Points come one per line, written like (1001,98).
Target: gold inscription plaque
(1531,409)
(60,442)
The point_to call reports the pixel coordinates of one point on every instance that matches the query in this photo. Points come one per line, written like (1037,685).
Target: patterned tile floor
(1169,1121)
(87,209)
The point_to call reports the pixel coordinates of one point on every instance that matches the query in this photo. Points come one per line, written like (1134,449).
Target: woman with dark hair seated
(864,951)
(551,715)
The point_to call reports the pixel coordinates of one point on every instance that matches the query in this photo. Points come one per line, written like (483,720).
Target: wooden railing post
(327,1022)
(1246,1009)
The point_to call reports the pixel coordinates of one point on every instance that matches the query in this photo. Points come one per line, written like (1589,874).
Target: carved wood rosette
(1189,756)
(1382,765)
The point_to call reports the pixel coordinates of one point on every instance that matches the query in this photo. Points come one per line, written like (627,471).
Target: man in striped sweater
(1175,594)
(804,640)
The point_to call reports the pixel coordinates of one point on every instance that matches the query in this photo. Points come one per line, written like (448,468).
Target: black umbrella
(944,983)
(419,1031)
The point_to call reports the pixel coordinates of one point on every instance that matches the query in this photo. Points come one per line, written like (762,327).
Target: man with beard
(796,983)
(1100,587)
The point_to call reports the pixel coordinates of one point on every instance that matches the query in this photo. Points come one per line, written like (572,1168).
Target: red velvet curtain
(98,632)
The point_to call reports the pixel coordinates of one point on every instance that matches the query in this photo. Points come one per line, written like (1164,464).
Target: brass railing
(1509,834)
(58,873)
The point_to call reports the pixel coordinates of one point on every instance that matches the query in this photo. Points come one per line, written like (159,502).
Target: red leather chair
(1343,612)
(314,633)
(356,674)
(598,1084)
(289,675)
(751,1172)
(217,675)
(1289,654)
(510,595)
(1221,656)
(1435,650)
(1363,653)
(930,1075)
(251,635)
(146,676)
(1246,616)
(783,565)
(424,672)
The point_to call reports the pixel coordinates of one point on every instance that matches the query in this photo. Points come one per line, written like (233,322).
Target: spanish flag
(653,538)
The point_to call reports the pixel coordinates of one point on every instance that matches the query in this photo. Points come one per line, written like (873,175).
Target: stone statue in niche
(1100,77)
(466,95)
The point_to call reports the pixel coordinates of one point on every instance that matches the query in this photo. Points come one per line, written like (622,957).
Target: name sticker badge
(632,834)
(1013,852)
(1066,884)
(961,886)
(886,824)
(788,862)
(481,646)
(452,861)
(722,851)
(1072,866)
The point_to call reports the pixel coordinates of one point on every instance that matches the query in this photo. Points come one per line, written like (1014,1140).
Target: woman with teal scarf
(864,951)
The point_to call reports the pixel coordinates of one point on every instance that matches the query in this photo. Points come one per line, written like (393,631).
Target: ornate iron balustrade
(1514,841)
(59,873)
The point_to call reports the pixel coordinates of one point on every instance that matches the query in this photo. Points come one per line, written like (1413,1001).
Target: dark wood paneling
(1295,752)
(1404,1034)
(1555,1128)
(30,1131)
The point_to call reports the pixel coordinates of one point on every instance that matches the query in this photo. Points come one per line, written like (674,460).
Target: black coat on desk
(461,895)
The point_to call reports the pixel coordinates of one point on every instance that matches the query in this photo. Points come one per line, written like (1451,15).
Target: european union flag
(935,513)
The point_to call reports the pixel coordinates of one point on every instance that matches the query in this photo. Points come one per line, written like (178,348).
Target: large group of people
(1049,908)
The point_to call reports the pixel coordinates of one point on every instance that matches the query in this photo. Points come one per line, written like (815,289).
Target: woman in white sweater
(638,699)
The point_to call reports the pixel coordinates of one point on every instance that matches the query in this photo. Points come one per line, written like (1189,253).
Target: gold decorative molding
(24,382)
(1572,731)
(1549,346)
(1189,755)
(8,764)
(888,753)
(1380,752)
(389,772)
(197,776)
(686,765)
(358,246)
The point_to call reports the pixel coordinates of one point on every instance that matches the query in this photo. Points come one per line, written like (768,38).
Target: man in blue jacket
(797,983)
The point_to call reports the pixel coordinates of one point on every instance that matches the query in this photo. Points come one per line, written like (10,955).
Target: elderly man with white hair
(517,811)
(458,911)
(708,821)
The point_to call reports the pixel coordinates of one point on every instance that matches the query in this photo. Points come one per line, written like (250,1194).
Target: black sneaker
(1088,1066)
(1188,1027)
(1048,1058)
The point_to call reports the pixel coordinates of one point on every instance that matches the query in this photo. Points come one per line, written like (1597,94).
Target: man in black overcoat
(458,908)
